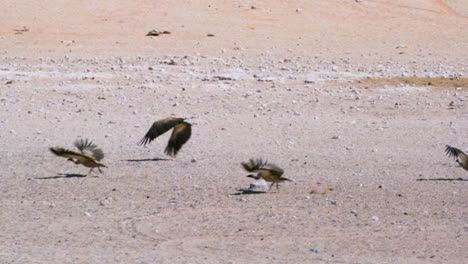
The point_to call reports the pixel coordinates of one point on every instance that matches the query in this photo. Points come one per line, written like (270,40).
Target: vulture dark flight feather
(89,155)
(267,171)
(180,134)
(460,157)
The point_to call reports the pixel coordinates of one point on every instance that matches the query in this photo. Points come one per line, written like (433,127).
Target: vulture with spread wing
(89,155)
(181,133)
(460,157)
(267,171)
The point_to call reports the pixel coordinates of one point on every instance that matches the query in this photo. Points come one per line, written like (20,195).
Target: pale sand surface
(276,81)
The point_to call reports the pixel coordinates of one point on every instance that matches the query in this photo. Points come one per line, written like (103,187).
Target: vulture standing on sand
(267,171)
(180,134)
(89,155)
(460,157)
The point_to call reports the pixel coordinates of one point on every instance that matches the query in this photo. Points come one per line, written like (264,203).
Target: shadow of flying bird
(460,157)
(267,171)
(89,155)
(180,134)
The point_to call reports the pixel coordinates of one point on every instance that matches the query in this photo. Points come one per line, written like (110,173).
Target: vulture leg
(271,186)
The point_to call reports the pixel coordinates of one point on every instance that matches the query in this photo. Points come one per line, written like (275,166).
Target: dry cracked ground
(359,96)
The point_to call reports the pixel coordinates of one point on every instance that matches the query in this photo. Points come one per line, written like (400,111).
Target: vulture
(181,133)
(89,155)
(267,171)
(460,157)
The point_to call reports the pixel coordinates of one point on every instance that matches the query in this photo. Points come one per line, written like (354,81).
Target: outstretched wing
(97,154)
(160,127)
(453,152)
(89,149)
(69,154)
(275,169)
(180,136)
(256,165)
(84,145)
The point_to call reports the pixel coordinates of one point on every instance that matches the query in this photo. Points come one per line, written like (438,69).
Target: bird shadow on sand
(144,160)
(442,179)
(63,176)
(247,191)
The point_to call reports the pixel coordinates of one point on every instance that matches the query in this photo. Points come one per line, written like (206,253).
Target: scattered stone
(22,30)
(154,33)
(223,78)
(169,62)
(315,250)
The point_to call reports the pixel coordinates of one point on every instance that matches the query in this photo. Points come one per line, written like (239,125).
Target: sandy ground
(277,81)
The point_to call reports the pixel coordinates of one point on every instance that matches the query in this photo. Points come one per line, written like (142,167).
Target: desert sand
(294,82)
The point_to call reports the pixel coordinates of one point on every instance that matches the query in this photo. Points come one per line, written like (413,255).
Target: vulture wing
(84,145)
(274,169)
(160,127)
(97,154)
(453,152)
(180,136)
(81,158)
(89,149)
(256,165)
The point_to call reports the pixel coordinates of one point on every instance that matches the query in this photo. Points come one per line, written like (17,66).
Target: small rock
(315,250)
(258,185)
(157,33)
